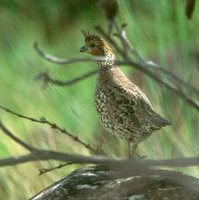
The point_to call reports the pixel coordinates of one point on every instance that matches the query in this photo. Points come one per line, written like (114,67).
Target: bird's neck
(109,70)
(107,63)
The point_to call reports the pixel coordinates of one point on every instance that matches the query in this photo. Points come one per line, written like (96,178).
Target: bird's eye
(92,45)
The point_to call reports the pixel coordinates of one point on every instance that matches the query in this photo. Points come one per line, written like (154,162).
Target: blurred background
(159,31)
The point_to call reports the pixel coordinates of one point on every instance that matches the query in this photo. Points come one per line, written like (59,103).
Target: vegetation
(159,31)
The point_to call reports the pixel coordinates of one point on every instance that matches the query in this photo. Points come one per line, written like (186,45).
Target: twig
(127,45)
(167,84)
(47,79)
(174,78)
(147,65)
(41,154)
(121,34)
(175,84)
(109,38)
(147,69)
(144,67)
(46,170)
(52,125)
(17,140)
(57,60)
(45,155)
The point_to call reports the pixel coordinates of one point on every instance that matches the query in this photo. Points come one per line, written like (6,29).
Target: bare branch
(110,39)
(52,125)
(57,60)
(121,34)
(149,64)
(148,69)
(175,79)
(45,155)
(17,140)
(47,79)
(40,154)
(168,84)
(46,170)
(175,84)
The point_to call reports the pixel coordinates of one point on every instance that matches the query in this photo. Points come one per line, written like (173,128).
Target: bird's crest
(89,36)
(100,46)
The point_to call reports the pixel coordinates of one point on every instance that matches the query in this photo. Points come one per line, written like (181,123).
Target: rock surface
(105,183)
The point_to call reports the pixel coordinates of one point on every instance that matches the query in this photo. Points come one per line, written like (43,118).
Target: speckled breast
(102,108)
(116,117)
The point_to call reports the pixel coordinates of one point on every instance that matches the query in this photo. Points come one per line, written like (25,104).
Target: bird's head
(95,45)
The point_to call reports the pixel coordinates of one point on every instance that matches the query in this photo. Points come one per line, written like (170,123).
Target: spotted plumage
(122,107)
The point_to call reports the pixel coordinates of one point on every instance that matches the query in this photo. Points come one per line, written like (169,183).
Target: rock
(106,183)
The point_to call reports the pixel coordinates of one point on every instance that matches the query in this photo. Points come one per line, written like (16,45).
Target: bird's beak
(83,49)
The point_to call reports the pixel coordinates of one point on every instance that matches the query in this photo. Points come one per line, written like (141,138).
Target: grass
(159,31)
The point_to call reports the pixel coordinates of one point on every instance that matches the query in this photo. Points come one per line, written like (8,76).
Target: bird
(122,107)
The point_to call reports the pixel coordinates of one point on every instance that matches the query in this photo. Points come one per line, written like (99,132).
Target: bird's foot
(141,157)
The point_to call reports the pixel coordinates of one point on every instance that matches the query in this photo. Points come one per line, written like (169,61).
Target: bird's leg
(129,147)
(134,147)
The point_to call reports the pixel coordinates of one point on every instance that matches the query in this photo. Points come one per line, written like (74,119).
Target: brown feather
(122,107)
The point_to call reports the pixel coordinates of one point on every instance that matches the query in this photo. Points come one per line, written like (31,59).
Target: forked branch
(173,82)
(52,125)
(44,155)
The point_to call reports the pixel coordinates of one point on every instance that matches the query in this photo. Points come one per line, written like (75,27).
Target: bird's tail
(158,122)
(165,122)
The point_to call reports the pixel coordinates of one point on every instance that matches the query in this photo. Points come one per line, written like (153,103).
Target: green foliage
(158,30)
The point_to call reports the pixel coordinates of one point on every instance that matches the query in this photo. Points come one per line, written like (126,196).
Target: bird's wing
(138,101)
(144,110)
